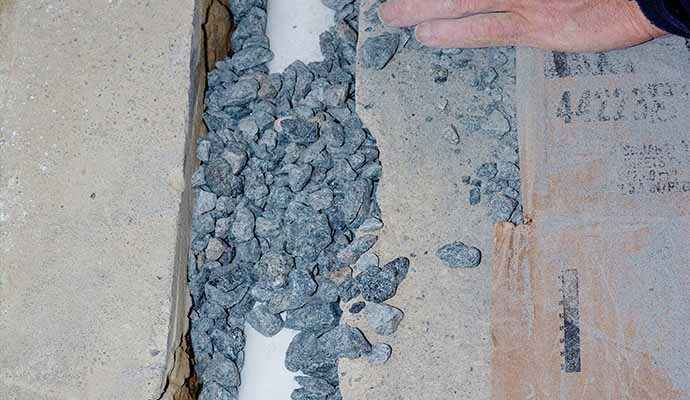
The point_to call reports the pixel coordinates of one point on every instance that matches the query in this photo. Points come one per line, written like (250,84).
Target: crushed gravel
(288,177)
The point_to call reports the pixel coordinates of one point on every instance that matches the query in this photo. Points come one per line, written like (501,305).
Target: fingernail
(384,13)
(424,33)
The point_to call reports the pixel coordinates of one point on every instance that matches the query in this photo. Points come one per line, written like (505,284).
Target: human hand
(565,25)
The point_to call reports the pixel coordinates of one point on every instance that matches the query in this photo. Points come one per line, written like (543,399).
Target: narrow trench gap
(212,31)
(293,30)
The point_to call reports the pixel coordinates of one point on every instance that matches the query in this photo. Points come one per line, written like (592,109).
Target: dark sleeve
(672,16)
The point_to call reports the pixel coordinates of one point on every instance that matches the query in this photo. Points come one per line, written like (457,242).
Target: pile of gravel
(285,205)
(496,183)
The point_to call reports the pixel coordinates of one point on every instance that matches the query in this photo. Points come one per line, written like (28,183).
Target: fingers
(412,12)
(482,30)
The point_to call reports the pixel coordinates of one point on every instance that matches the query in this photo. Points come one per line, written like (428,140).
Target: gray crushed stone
(263,321)
(459,255)
(492,114)
(285,206)
(380,353)
(384,319)
(378,50)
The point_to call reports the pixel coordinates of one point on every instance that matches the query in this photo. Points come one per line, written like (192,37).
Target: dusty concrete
(441,350)
(94,120)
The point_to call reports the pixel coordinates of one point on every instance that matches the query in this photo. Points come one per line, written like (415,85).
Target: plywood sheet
(589,301)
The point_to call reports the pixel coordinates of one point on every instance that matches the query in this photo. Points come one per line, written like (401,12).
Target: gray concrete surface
(94,116)
(441,350)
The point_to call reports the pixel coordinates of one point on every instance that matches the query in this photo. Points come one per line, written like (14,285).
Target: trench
(210,42)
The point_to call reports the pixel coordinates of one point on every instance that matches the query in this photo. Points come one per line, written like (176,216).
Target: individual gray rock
(303,394)
(450,134)
(301,286)
(202,150)
(376,285)
(357,307)
(350,254)
(377,51)
(475,196)
(221,180)
(372,224)
(380,353)
(198,177)
(205,202)
(501,207)
(344,341)
(298,176)
(299,130)
(236,158)
(383,318)
(266,227)
(327,291)
(242,227)
(251,57)
(399,268)
(274,269)
(223,372)
(459,255)
(225,205)
(213,391)
(214,249)
(314,385)
(248,251)
(249,129)
(310,233)
(222,227)
(225,298)
(316,317)
(302,349)
(496,123)
(229,343)
(321,199)
(507,171)
(240,93)
(263,321)
(365,262)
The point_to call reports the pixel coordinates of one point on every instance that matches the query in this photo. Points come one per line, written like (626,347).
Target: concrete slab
(441,350)
(94,118)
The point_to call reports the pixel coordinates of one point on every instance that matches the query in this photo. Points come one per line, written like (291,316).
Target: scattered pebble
(380,284)
(451,134)
(380,353)
(439,73)
(459,255)
(475,196)
(378,50)
(357,307)
(383,318)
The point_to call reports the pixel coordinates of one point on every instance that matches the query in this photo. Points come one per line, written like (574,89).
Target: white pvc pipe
(293,28)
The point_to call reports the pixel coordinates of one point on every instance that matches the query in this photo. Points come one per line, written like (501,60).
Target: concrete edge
(210,42)
(179,365)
